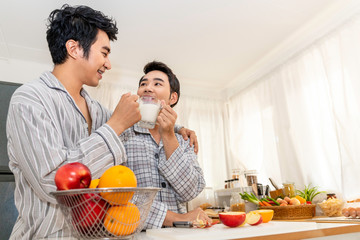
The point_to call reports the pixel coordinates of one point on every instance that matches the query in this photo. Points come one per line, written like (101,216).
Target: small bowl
(332,207)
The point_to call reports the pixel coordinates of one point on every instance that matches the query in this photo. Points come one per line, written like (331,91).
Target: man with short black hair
(53,121)
(161,158)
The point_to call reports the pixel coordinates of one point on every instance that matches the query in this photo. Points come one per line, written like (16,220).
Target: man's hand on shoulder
(187,133)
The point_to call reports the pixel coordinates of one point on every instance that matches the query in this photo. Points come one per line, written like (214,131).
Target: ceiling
(216,47)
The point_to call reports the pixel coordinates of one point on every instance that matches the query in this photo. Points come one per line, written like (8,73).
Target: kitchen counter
(274,230)
(279,230)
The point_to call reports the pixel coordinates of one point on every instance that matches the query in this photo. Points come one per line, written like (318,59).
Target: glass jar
(236,183)
(237,204)
(251,177)
(235,174)
(209,195)
(289,189)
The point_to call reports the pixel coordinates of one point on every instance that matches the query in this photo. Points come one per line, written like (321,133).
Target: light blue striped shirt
(45,129)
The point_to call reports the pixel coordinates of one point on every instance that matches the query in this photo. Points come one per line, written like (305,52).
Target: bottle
(236,183)
(251,177)
(237,204)
(235,174)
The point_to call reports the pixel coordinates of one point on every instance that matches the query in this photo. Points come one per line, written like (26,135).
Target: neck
(155,133)
(66,74)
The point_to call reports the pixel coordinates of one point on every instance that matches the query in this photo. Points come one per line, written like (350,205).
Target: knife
(273,183)
(255,189)
(183,224)
(267,190)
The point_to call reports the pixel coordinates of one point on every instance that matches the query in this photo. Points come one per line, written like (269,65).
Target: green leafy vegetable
(309,192)
(250,197)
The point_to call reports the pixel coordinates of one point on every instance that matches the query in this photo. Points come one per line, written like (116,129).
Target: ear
(173,98)
(73,49)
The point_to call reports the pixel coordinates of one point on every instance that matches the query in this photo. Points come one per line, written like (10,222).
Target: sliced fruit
(232,219)
(267,214)
(254,218)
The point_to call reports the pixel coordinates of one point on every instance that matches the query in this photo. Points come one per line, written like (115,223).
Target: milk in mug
(149,110)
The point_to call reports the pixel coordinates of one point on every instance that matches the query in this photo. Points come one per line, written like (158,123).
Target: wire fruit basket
(106,213)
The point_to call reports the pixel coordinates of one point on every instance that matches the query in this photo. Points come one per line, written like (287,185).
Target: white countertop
(220,231)
(280,230)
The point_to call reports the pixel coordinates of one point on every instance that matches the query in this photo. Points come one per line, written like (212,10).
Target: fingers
(184,135)
(126,113)
(129,97)
(193,141)
(201,215)
(167,118)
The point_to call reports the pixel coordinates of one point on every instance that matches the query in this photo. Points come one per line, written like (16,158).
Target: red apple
(232,219)
(72,176)
(253,218)
(89,212)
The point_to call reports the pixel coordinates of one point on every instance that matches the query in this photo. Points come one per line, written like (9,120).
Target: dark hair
(162,67)
(80,23)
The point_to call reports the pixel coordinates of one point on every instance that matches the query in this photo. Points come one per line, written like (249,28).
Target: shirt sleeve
(183,172)
(156,216)
(36,147)
(177,128)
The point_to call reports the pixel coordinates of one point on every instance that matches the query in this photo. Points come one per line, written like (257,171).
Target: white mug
(149,110)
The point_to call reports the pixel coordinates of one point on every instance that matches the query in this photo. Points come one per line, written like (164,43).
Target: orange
(117,176)
(122,220)
(302,200)
(267,214)
(94,183)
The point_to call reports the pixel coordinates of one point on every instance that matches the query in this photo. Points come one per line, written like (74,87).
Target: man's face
(156,84)
(91,69)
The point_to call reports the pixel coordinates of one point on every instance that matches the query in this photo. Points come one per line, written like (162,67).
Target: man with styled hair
(160,157)
(53,121)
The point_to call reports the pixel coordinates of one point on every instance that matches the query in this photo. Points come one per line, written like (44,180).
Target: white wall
(19,71)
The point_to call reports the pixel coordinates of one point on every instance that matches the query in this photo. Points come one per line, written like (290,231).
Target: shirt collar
(139,129)
(52,82)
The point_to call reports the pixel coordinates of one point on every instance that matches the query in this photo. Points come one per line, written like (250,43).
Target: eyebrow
(107,49)
(156,79)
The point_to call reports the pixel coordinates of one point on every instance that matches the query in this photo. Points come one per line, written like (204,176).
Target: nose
(148,88)
(107,64)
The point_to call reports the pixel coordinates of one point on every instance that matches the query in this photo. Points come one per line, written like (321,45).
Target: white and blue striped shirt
(45,129)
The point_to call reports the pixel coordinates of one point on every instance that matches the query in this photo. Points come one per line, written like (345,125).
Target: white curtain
(301,122)
(206,118)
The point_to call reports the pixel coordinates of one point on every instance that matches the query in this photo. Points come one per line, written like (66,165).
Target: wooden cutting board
(335,220)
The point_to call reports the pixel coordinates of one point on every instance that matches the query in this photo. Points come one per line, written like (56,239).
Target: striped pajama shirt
(179,177)
(46,129)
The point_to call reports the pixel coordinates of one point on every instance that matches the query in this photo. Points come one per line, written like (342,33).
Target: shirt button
(156,155)
(163,184)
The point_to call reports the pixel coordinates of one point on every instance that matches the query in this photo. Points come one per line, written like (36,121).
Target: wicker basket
(292,212)
(87,210)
